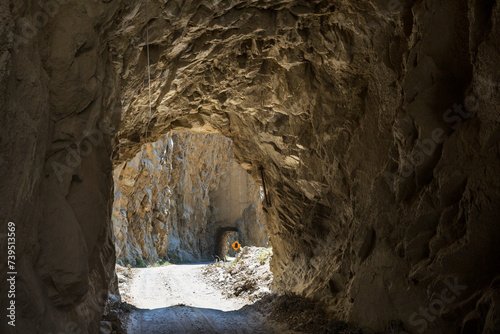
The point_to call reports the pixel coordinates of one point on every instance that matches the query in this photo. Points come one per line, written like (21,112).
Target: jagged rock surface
(174,195)
(336,99)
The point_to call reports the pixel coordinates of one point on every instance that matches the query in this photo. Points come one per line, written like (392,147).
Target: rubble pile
(248,276)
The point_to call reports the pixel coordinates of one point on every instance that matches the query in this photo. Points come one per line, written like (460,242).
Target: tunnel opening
(222,245)
(178,204)
(179,199)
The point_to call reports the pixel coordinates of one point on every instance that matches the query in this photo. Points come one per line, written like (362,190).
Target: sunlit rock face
(175,194)
(375,123)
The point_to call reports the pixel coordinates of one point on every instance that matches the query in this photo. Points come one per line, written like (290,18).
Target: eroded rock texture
(375,122)
(174,196)
(57,87)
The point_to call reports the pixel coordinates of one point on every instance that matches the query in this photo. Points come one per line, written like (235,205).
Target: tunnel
(375,123)
(173,196)
(221,241)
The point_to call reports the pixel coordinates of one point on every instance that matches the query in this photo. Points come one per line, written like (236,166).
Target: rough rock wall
(379,199)
(344,104)
(174,195)
(58,93)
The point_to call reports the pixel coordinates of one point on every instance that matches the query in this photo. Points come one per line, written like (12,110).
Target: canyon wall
(375,123)
(58,112)
(175,194)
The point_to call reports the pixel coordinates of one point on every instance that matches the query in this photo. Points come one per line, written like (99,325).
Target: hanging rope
(149,71)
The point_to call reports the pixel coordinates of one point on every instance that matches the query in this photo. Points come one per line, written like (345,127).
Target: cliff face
(58,92)
(376,124)
(175,194)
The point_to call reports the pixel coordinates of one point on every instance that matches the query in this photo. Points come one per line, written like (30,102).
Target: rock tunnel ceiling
(375,122)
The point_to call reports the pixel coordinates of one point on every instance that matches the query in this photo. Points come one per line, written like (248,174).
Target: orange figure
(236,245)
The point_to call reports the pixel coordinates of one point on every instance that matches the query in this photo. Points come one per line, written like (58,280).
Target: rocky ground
(124,275)
(248,276)
(179,299)
(223,297)
(119,306)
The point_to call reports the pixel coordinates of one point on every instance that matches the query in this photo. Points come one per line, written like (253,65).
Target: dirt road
(176,299)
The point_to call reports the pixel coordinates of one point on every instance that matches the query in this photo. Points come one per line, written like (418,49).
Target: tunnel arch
(296,118)
(221,237)
(191,186)
(332,110)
